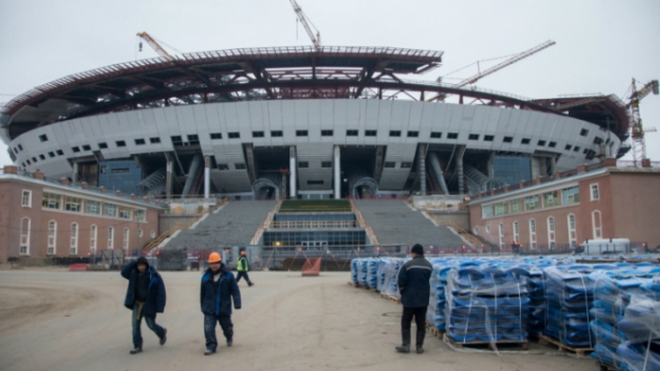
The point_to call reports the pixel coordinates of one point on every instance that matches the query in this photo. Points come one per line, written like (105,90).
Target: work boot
(421,333)
(250,284)
(230,341)
(164,338)
(208,352)
(136,350)
(405,337)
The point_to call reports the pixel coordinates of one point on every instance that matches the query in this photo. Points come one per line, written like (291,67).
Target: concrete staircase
(395,222)
(233,224)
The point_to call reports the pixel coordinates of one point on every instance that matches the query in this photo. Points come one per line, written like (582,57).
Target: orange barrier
(312,267)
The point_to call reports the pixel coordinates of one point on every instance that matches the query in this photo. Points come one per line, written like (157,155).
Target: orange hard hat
(215,258)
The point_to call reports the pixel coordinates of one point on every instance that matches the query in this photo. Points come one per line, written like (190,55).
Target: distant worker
(145,296)
(413,281)
(218,289)
(243,268)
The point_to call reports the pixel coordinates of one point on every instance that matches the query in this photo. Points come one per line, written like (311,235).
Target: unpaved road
(58,320)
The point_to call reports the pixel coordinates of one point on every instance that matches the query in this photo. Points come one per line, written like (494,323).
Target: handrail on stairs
(363,223)
(266,223)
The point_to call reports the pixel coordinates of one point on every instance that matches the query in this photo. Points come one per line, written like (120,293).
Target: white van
(607,246)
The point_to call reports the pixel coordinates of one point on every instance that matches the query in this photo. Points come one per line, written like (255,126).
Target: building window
(125,247)
(473,137)
(234,135)
(303,164)
(51,201)
(193,139)
(20,147)
(570,195)
(103,145)
(541,143)
(500,209)
(140,233)
(24,248)
(326,133)
(595,196)
(75,149)
(93,235)
(326,164)
(73,204)
(436,134)
(489,138)
(507,140)
(516,232)
(314,182)
(572,231)
(27,198)
(516,206)
(239,166)
(43,137)
(525,141)
(488,229)
(51,154)
(389,164)
(125,212)
(475,230)
(301,133)
(584,132)
(531,203)
(395,133)
(42,157)
(370,133)
(223,166)
(597,224)
(152,234)
(413,134)
(92,207)
(86,147)
(501,230)
(139,142)
(111,237)
(257,134)
(532,234)
(120,143)
(276,133)
(351,133)
(110,210)
(551,233)
(406,165)
(52,238)
(215,136)
(551,199)
(154,140)
(486,211)
(576,149)
(452,135)
(74,239)
(552,144)
(140,215)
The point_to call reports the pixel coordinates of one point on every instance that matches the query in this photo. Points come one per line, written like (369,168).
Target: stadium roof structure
(264,74)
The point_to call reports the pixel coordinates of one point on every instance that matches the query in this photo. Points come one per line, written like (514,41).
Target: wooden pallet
(580,352)
(500,345)
(606,366)
(434,330)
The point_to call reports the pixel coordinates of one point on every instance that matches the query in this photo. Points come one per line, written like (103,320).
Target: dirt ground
(58,320)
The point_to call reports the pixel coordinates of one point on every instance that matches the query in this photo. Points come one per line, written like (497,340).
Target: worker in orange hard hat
(218,289)
(243,268)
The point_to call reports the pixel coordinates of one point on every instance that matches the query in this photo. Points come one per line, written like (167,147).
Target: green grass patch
(315,206)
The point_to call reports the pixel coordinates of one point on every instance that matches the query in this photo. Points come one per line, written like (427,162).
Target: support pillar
(75,173)
(553,165)
(491,165)
(435,164)
(337,158)
(207,177)
(459,170)
(293,167)
(421,169)
(168,176)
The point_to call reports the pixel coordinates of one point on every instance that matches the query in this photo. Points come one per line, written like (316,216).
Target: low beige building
(41,218)
(558,214)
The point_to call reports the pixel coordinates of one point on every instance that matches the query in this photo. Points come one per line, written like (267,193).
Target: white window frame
(96,204)
(488,229)
(572,230)
(111,238)
(74,238)
(551,233)
(501,232)
(516,231)
(140,233)
(52,237)
(126,236)
(597,224)
(93,237)
(532,234)
(595,196)
(24,243)
(153,234)
(26,202)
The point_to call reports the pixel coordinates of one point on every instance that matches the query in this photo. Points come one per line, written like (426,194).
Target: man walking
(145,296)
(217,290)
(413,281)
(243,268)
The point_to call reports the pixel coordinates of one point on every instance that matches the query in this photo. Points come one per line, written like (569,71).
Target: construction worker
(243,268)
(218,289)
(413,281)
(145,296)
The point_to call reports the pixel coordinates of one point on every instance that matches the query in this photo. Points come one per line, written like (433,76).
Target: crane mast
(316,39)
(636,128)
(155,45)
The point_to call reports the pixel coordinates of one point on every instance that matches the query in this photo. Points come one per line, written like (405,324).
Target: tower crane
(155,45)
(508,62)
(316,39)
(636,129)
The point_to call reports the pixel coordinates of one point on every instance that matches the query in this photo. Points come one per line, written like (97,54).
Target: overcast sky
(601,44)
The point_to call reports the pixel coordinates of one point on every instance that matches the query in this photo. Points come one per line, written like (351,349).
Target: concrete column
(293,167)
(75,173)
(435,164)
(421,169)
(207,177)
(553,165)
(491,167)
(459,170)
(337,170)
(168,177)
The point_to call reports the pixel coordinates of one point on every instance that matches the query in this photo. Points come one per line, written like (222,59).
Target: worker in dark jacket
(413,281)
(243,268)
(217,291)
(145,296)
